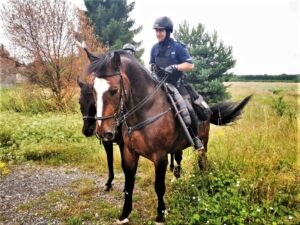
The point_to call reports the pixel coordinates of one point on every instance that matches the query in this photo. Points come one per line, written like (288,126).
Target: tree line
(266,78)
(44,34)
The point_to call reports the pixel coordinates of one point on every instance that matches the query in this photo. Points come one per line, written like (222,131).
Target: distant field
(263,88)
(254,175)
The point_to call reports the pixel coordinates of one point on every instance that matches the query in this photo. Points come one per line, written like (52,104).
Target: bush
(52,138)
(223,197)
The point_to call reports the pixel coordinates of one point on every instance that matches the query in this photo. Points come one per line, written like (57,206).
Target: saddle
(180,102)
(193,101)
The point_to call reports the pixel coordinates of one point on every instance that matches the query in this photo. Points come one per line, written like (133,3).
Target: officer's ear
(116,61)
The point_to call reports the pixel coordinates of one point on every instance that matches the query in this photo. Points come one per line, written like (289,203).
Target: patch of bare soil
(26,183)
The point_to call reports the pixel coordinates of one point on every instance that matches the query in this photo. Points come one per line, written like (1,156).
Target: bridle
(120,106)
(119,114)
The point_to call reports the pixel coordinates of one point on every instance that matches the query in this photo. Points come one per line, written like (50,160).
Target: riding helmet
(129,47)
(163,23)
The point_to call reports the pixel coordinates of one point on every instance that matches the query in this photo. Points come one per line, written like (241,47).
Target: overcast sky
(264,34)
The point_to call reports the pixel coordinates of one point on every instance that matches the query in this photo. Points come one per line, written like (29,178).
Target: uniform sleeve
(152,55)
(183,54)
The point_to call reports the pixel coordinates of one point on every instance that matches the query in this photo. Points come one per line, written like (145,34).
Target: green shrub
(279,105)
(223,197)
(53,138)
(6,139)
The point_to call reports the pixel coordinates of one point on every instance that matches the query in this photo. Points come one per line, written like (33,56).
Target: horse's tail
(227,112)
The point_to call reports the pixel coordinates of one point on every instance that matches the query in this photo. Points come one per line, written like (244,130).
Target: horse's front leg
(129,165)
(108,146)
(160,188)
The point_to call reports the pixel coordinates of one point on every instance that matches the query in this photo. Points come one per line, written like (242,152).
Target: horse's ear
(116,61)
(80,82)
(91,57)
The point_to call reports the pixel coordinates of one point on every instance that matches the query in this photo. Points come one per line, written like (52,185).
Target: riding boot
(198,145)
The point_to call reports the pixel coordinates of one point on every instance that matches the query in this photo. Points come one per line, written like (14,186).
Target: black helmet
(163,23)
(129,47)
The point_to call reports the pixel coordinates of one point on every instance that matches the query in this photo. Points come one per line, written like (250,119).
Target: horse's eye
(113,90)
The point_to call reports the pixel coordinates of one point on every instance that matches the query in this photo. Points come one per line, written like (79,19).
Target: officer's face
(160,34)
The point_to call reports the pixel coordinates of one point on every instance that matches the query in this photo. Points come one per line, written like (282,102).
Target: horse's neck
(141,87)
(141,83)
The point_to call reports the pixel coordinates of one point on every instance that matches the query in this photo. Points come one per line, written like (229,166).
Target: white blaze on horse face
(101,86)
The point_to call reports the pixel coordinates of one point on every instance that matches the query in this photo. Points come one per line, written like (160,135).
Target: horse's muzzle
(88,132)
(108,136)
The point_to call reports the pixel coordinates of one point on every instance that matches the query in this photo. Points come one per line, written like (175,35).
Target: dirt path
(26,183)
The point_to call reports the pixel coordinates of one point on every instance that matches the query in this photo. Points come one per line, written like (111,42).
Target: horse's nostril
(108,135)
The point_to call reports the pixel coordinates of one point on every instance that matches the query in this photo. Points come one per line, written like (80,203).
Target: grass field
(254,174)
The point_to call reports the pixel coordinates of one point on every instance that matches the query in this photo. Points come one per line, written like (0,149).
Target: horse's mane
(97,65)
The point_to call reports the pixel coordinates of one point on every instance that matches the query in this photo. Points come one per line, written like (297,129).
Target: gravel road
(27,182)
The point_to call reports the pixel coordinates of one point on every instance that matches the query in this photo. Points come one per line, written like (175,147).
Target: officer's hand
(171,69)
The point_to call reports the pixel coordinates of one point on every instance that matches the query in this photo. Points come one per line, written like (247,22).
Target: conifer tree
(212,61)
(112,24)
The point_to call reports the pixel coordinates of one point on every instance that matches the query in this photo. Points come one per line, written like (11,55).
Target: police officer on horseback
(175,59)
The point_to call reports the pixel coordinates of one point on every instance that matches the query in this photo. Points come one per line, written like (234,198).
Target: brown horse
(126,94)
(88,110)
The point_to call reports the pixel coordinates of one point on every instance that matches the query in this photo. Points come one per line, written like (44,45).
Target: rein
(141,103)
(120,117)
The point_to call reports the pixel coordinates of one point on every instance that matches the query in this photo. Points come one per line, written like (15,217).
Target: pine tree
(112,24)
(212,61)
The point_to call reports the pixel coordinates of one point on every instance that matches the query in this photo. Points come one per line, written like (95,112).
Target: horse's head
(87,107)
(108,92)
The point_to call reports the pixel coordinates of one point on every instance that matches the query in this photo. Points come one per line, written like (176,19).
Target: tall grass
(254,175)
(31,99)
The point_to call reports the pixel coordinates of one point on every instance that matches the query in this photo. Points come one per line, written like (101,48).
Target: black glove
(171,69)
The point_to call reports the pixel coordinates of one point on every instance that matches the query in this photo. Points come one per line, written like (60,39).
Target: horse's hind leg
(203,134)
(178,158)
(108,146)
(202,161)
(172,162)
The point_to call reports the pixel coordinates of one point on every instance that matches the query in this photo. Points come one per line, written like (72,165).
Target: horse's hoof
(160,223)
(107,188)
(125,221)
(173,179)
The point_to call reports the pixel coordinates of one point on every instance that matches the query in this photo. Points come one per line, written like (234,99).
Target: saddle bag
(180,103)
